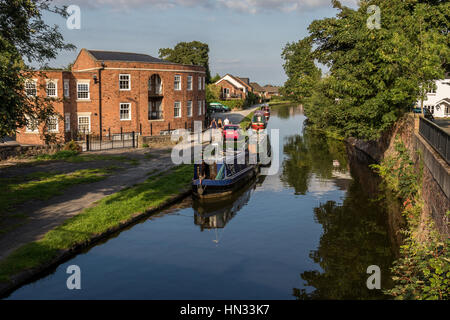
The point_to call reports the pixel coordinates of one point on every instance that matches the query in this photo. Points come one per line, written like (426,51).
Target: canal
(308,232)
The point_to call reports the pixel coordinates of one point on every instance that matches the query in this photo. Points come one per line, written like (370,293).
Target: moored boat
(220,177)
(259,121)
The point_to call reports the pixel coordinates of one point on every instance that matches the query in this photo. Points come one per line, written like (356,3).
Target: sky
(245,37)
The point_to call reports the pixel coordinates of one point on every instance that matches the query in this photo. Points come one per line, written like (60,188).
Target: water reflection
(216,214)
(313,155)
(354,232)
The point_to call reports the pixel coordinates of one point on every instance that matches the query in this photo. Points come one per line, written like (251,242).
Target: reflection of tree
(354,237)
(312,153)
(283,111)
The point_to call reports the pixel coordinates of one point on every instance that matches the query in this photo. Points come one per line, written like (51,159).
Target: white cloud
(245,6)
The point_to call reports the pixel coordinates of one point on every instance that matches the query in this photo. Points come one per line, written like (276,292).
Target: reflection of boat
(220,177)
(216,214)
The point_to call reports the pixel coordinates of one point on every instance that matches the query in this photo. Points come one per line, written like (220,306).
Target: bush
(60,155)
(234,104)
(72,146)
(145,145)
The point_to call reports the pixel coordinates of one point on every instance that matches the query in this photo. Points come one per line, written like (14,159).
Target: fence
(438,138)
(92,142)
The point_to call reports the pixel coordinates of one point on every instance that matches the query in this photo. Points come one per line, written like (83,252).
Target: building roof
(270,88)
(245,80)
(445,100)
(125,56)
(256,87)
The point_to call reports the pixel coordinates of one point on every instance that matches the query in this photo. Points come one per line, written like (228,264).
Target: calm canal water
(309,232)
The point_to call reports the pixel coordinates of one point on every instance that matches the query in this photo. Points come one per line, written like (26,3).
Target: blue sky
(245,37)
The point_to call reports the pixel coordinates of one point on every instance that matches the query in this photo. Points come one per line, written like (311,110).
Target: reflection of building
(109,92)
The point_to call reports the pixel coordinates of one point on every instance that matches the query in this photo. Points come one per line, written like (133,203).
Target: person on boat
(226,121)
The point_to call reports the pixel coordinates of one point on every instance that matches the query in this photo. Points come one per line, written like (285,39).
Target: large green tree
(24,36)
(194,52)
(376,74)
(302,72)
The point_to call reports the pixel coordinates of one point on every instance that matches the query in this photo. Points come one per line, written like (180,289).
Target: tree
(212,93)
(301,70)
(376,75)
(24,35)
(215,78)
(194,52)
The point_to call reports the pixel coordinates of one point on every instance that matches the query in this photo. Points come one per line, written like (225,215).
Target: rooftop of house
(245,80)
(270,88)
(256,87)
(125,56)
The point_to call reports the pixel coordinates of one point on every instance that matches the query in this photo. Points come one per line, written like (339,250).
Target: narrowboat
(220,177)
(259,121)
(266,110)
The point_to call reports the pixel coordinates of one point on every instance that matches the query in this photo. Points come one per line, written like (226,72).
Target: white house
(438,99)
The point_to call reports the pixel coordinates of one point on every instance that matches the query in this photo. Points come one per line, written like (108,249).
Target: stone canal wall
(435,171)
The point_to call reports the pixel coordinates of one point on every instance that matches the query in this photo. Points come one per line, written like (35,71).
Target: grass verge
(109,212)
(246,122)
(44,185)
(74,157)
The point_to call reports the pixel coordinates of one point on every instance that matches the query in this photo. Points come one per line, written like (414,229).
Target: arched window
(51,89)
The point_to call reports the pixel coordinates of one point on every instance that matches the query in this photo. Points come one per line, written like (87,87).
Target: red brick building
(107,92)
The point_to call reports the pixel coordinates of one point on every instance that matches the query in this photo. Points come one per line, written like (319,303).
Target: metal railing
(437,137)
(94,142)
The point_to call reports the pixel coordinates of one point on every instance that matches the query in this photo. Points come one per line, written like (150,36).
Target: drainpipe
(100,99)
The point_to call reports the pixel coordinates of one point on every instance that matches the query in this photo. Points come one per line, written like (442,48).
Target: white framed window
(52,89)
(124,82)
(199,108)
(32,124)
(177,109)
(189,83)
(125,111)
(84,124)
(67,122)
(204,107)
(83,91)
(199,83)
(31,88)
(177,82)
(52,124)
(431,89)
(67,88)
(204,83)
(189,108)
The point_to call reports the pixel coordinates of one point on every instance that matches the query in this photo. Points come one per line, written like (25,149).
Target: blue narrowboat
(220,177)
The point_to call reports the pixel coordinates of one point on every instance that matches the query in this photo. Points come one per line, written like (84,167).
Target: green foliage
(251,99)
(24,35)
(399,173)
(72,146)
(212,93)
(302,73)
(215,78)
(423,270)
(60,155)
(145,145)
(375,75)
(193,53)
(234,104)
